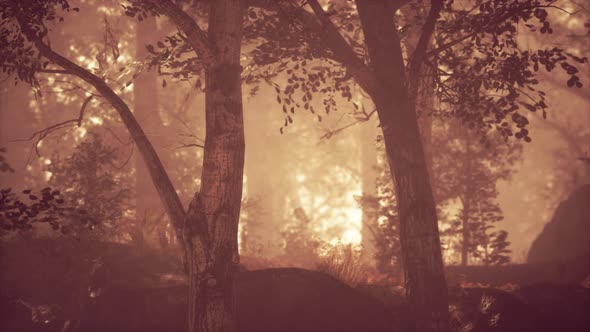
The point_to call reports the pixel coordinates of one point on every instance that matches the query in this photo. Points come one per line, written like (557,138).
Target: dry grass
(344,263)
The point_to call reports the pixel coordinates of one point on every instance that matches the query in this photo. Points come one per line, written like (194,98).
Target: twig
(43,133)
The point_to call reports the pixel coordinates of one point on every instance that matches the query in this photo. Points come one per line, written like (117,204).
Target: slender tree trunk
(145,99)
(368,144)
(465,233)
(425,282)
(211,225)
(158,174)
(467,196)
(14,112)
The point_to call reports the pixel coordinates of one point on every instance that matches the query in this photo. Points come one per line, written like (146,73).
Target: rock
(489,309)
(563,307)
(567,235)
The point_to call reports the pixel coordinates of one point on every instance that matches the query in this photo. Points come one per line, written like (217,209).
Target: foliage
(466,170)
(89,181)
(382,210)
(17,56)
(44,206)
(490,78)
(300,244)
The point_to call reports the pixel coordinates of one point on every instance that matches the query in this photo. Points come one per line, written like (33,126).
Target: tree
(209,228)
(478,69)
(467,168)
(87,181)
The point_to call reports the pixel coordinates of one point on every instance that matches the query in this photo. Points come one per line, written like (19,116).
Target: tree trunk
(465,233)
(368,175)
(15,111)
(467,196)
(211,225)
(421,253)
(145,99)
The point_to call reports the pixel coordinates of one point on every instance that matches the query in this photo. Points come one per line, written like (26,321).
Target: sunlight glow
(96,120)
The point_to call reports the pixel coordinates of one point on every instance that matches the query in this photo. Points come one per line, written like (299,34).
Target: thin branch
(332,133)
(190,146)
(43,133)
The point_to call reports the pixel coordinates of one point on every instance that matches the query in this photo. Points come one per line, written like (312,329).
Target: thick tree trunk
(420,242)
(211,225)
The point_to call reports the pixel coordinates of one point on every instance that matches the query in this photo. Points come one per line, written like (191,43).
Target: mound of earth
(111,287)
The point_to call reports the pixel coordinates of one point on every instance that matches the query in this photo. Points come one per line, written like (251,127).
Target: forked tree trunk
(211,225)
(421,253)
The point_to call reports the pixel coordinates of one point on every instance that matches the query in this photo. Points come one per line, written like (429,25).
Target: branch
(331,133)
(508,15)
(196,37)
(48,130)
(193,145)
(423,42)
(334,40)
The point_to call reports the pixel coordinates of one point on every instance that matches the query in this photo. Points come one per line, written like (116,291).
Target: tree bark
(211,225)
(419,236)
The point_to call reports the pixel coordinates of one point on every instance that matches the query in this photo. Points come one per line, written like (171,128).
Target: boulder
(562,307)
(567,235)
(489,309)
(542,307)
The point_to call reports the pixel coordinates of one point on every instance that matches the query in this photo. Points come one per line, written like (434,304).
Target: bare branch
(41,134)
(193,145)
(332,133)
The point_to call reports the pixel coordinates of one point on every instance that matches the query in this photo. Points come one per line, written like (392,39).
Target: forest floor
(113,287)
